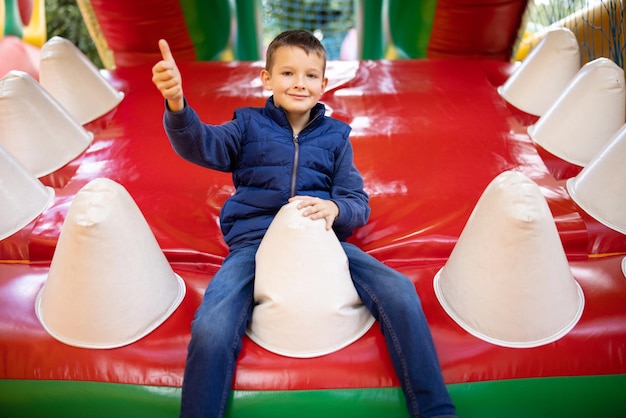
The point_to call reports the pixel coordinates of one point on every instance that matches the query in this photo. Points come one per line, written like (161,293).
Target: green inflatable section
(410,25)
(208,25)
(572,397)
(372,47)
(246,45)
(13,24)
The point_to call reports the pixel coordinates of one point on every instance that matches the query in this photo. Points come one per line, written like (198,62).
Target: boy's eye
(287,73)
(312,76)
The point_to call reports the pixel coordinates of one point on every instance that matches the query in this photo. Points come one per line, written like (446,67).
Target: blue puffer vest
(269,165)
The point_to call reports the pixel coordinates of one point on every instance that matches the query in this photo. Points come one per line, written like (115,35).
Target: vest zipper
(295,165)
(296,157)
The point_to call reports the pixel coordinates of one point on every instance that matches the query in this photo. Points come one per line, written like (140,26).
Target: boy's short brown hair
(299,38)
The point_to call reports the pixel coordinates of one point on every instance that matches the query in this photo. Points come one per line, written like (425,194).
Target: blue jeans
(221,320)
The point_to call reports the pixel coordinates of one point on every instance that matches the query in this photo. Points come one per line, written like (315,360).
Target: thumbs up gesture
(166,77)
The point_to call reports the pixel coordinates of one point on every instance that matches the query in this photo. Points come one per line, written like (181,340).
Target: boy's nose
(299,82)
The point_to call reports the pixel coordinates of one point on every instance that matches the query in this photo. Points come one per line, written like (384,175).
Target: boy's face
(296,79)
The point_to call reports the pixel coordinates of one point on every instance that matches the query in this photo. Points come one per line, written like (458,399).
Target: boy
(288,151)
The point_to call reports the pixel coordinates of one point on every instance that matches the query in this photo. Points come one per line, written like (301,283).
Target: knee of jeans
(404,293)
(211,332)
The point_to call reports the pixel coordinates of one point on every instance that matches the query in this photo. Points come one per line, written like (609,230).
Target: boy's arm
(349,195)
(212,146)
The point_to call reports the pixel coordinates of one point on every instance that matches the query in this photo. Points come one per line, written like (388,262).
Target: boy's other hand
(166,77)
(316,208)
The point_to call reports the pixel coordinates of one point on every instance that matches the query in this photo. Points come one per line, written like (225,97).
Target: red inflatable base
(429,136)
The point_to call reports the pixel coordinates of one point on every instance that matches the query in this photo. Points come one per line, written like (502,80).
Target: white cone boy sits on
(288,151)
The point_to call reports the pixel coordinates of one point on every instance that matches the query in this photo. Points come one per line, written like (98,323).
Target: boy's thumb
(166,53)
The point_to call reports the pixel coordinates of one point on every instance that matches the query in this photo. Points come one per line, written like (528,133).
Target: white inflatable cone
(544,74)
(600,188)
(307,305)
(36,129)
(109,283)
(586,115)
(507,280)
(22,196)
(75,81)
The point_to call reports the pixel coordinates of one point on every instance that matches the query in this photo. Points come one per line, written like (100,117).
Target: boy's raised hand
(166,77)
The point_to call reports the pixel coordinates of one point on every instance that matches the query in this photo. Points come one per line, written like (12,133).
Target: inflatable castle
(496,185)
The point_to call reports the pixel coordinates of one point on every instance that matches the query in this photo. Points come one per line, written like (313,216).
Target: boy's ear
(324,84)
(265,79)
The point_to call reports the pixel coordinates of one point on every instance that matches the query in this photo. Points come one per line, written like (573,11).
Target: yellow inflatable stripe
(93,27)
(3,16)
(35,32)
(606,255)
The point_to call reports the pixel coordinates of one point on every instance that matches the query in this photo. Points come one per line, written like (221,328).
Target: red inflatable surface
(18,56)
(429,136)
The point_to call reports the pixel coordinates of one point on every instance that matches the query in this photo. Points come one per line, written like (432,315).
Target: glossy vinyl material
(36,128)
(429,136)
(75,82)
(507,280)
(22,196)
(302,277)
(544,73)
(109,283)
(475,28)
(599,188)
